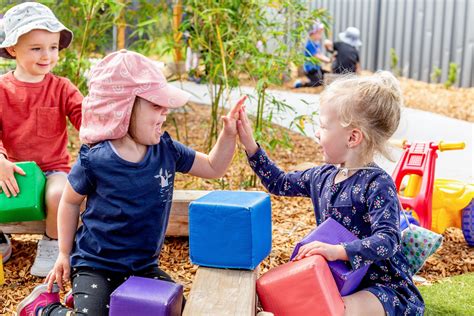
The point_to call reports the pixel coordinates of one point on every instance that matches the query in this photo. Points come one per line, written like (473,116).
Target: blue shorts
(51,172)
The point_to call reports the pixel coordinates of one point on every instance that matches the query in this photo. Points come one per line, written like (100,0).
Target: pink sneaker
(69,299)
(37,299)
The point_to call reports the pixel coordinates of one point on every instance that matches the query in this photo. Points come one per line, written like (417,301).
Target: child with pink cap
(126,168)
(33,110)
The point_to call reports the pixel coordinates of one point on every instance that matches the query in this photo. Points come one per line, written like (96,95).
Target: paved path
(415,125)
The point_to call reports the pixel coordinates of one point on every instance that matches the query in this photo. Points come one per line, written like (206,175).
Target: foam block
(28,205)
(142,296)
(331,232)
(230,229)
(304,287)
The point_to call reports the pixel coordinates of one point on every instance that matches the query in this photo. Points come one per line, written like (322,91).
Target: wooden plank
(177,226)
(222,292)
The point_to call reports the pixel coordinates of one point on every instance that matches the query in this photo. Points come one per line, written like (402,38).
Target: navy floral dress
(366,204)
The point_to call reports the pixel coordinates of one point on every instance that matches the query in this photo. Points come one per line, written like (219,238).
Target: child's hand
(8,182)
(246,133)
(328,251)
(60,272)
(230,120)
(328,45)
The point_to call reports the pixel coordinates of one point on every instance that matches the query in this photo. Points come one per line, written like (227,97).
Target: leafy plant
(258,39)
(394,62)
(436,74)
(452,75)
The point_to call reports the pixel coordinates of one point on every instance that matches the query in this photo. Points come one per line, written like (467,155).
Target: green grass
(452,296)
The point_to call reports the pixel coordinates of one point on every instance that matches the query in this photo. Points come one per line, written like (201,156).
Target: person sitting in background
(346,52)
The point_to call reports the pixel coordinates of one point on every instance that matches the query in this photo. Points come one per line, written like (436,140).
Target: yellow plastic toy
(450,197)
(437,203)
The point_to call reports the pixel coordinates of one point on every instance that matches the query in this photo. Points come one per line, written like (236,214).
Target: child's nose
(45,54)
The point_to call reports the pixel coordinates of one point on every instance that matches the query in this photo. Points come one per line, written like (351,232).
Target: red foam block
(304,287)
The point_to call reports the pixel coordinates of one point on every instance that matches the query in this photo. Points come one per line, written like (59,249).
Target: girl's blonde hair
(371,103)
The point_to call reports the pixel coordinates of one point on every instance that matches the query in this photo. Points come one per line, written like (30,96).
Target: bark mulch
(452,102)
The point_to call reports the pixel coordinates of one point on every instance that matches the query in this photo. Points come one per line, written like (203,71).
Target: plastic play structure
(436,204)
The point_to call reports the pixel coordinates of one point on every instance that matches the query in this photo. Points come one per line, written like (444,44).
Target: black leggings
(91,290)
(316,78)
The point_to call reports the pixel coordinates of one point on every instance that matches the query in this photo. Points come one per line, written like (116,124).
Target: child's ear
(355,138)
(11,50)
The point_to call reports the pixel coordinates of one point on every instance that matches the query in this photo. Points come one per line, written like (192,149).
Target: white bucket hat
(29,16)
(351,36)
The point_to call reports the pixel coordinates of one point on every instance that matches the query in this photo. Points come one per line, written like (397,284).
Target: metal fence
(425,34)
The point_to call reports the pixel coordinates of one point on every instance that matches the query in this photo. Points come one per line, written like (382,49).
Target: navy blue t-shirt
(128,204)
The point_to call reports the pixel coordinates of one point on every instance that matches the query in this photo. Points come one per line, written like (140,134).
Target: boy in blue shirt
(312,49)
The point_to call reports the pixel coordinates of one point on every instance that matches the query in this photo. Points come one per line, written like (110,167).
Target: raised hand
(246,133)
(230,120)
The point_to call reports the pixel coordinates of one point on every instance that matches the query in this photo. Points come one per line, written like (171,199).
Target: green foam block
(28,205)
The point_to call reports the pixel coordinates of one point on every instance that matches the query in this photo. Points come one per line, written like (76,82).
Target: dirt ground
(453,102)
(292,217)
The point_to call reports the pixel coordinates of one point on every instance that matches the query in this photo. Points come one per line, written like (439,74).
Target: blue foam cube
(230,229)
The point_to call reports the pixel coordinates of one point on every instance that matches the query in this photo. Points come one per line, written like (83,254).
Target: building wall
(424,34)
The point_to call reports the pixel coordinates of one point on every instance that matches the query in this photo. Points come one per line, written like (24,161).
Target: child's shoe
(5,247)
(38,299)
(69,299)
(298,84)
(46,256)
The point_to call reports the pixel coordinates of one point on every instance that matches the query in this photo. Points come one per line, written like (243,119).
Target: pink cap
(115,83)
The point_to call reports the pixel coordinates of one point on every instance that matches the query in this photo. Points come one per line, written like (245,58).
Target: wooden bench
(222,292)
(177,226)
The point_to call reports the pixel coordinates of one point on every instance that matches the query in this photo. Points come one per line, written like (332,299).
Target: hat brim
(343,37)
(65,37)
(168,96)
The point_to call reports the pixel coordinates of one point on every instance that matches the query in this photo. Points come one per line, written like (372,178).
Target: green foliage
(394,62)
(6,65)
(92,23)
(436,74)
(452,75)
(257,38)
(150,23)
(300,122)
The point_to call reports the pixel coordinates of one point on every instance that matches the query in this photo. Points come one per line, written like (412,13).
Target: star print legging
(91,290)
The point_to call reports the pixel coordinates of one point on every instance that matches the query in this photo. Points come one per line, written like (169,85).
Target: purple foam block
(331,232)
(142,296)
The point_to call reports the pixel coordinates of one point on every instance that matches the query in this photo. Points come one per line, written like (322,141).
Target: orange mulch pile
(292,218)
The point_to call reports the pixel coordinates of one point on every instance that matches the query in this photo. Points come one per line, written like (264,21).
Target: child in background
(191,64)
(346,52)
(312,49)
(357,117)
(33,111)
(126,168)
